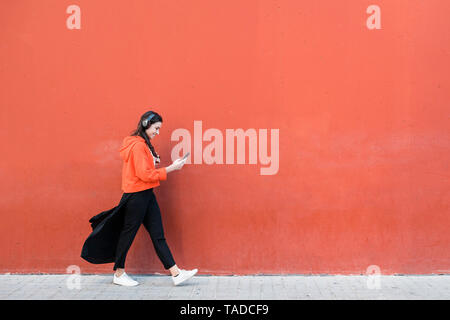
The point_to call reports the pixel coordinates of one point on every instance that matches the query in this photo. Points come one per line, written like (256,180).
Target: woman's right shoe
(125,280)
(183,275)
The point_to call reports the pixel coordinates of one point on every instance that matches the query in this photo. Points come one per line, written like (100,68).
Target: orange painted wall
(363,117)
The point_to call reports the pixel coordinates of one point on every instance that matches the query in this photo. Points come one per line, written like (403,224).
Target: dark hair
(140,131)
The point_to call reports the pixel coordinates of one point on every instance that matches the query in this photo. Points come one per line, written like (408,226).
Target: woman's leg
(174,271)
(153,223)
(134,212)
(119,272)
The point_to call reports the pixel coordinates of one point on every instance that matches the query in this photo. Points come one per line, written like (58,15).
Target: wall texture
(363,119)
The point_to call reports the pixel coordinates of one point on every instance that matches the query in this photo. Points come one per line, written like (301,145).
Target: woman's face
(153,130)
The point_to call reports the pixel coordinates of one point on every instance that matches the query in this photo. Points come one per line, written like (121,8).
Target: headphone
(146,121)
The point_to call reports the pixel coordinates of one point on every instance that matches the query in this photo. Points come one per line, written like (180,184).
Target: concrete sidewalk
(289,287)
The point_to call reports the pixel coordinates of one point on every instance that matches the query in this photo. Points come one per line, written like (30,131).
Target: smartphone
(185,156)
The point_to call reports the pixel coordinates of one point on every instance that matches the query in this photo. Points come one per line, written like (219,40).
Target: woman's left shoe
(183,276)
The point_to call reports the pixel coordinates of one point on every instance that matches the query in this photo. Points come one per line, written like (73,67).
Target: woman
(114,230)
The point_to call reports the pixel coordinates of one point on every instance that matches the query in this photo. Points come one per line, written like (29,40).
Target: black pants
(143,208)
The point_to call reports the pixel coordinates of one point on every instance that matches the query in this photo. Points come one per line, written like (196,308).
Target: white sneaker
(183,276)
(125,280)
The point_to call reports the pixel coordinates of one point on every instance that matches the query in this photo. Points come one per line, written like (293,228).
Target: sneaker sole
(124,285)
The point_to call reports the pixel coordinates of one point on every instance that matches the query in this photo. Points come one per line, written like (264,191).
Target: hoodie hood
(128,144)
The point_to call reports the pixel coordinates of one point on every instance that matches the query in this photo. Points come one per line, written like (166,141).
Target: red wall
(363,117)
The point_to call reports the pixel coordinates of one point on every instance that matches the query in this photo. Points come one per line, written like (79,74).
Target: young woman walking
(114,230)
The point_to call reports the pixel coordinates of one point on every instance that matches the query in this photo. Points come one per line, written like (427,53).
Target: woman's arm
(143,169)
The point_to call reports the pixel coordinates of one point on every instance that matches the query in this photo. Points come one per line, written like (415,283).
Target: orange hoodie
(138,170)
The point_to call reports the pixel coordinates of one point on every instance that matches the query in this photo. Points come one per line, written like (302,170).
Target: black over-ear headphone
(146,121)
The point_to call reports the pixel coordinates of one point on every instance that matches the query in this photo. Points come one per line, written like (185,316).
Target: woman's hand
(176,165)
